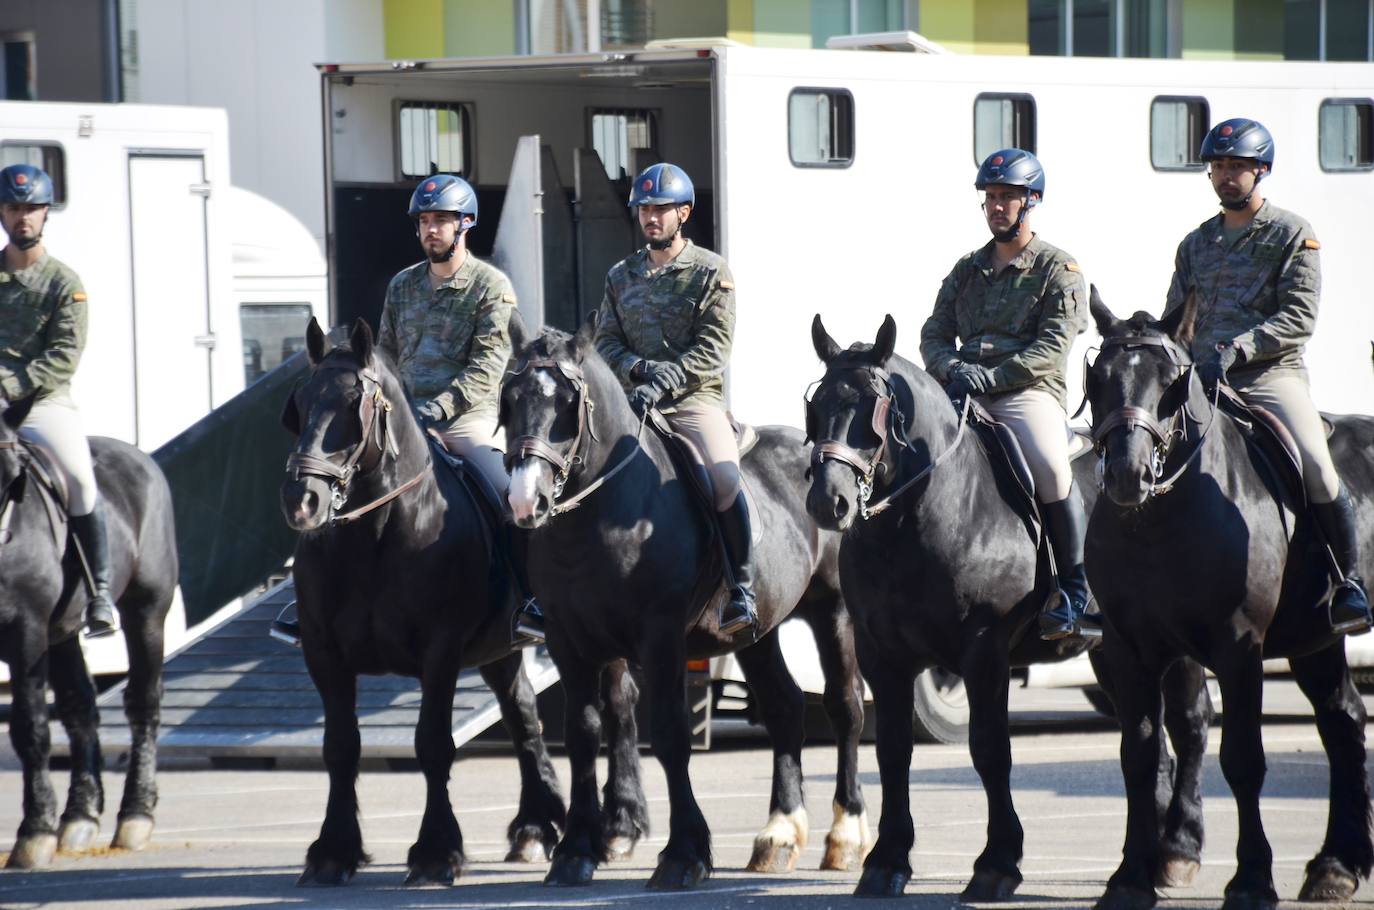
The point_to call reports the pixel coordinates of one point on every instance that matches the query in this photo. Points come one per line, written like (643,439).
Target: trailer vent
(1002,121)
(1177,126)
(618,133)
(432,138)
(1345,128)
(820,127)
(45,155)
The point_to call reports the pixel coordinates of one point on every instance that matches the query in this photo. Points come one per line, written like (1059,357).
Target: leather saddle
(1009,463)
(49,483)
(486,499)
(692,464)
(1268,438)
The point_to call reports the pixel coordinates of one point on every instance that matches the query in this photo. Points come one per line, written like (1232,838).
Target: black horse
(1198,549)
(633,571)
(945,572)
(43,596)
(395,574)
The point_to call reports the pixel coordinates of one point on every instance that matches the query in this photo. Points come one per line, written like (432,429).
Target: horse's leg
(1136,688)
(781,708)
(996,871)
(533,833)
(1241,675)
(143,631)
(625,810)
(887,867)
(849,837)
(36,841)
(583,847)
(338,852)
(74,694)
(685,861)
(437,854)
(1187,715)
(1346,854)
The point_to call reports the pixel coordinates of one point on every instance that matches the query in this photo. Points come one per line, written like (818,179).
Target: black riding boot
(1065,612)
(737,537)
(91,533)
(529,618)
(1348,608)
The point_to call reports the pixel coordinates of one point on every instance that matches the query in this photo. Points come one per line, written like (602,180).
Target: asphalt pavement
(237,838)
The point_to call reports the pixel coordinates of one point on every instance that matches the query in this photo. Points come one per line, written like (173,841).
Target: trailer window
(272,332)
(1177,126)
(1002,121)
(432,138)
(820,127)
(40,154)
(617,133)
(1345,134)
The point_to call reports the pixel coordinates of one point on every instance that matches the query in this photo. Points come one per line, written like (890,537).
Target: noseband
(888,422)
(373,411)
(539,447)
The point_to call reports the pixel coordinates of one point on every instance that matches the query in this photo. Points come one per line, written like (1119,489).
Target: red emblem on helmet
(1227,130)
(21,179)
(429,187)
(996,161)
(647,185)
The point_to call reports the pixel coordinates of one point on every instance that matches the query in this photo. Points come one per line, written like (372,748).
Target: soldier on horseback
(1257,276)
(42,336)
(665,328)
(1017,304)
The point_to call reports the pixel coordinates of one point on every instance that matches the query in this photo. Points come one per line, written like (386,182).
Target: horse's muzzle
(828,502)
(530,494)
(305,504)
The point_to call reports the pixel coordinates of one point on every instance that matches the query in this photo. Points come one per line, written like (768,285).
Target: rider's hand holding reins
(968,379)
(645,396)
(665,373)
(1213,370)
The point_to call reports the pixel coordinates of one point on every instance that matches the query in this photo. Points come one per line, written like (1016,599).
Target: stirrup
(529,624)
(100,627)
(286,631)
(1351,624)
(1057,618)
(746,618)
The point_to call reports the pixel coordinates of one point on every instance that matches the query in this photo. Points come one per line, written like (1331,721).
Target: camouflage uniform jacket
(1260,293)
(684,312)
(450,344)
(42,329)
(1020,322)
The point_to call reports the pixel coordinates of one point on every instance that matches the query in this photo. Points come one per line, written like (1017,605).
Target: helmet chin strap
(1010,233)
(1244,203)
(669,241)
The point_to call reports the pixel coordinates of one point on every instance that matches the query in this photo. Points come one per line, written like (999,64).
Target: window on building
(1177,126)
(820,127)
(1328,30)
(858,17)
(18,70)
(1345,134)
(1002,121)
(272,332)
(1098,28)
(617,133)
(432,138)
(43,155)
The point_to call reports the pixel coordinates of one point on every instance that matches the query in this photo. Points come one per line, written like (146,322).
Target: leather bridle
(373,415)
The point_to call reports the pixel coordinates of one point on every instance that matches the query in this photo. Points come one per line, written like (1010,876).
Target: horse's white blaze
(546,384)
(524,488)
(850,830)
(786,829)
(1133,360)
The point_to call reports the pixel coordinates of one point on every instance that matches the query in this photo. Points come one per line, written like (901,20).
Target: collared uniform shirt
(451,343)
(1260,292)
(684,312)
(1020,322)
(42,329)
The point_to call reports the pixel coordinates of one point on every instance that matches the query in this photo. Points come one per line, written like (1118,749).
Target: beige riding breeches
(708,428)
(1288,396)
(55,424)
(1037,420)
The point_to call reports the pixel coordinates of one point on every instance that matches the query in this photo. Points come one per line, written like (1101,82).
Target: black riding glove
(665,373)
(1214,368)
(968,379)
(429,414)
(644,397)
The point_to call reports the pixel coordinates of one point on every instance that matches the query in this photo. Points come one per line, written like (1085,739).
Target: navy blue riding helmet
(1012,167)
(26,185)
(444,193)
(1239,137)
(663,184)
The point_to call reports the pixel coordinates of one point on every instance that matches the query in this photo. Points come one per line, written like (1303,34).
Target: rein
(373,409)
(539,447)
(888,422)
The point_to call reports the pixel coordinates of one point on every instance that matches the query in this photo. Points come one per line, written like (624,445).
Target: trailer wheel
(1101,702)
(941,714)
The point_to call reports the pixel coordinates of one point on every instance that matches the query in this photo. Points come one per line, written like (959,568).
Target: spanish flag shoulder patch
(727,285)
(1072,266)
(508,297)
(79,296)
(1312,243)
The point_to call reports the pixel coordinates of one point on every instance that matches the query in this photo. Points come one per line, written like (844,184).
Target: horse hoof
(1329,883)
(991,886)
(442,872)
(329,873)
(77,835)
(1176,872)
(772,858)
(1246,900)
(133,833)
(620,848)
(33,852)
(1125,899)
(840,857)
(876,882)
(528,848)
(677,875)
(571,870)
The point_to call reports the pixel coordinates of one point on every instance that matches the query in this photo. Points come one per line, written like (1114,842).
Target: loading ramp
(236,696)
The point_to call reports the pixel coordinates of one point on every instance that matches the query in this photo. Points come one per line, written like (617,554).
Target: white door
(172,331)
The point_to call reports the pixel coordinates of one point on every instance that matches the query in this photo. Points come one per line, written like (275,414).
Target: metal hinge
(206,341)
(200,189)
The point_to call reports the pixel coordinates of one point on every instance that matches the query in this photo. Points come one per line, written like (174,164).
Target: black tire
(1097,697)
(941,714)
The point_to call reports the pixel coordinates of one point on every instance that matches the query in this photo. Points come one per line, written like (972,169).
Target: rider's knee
(725,483)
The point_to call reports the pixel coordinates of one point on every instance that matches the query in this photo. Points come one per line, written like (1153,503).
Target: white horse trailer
(840,182)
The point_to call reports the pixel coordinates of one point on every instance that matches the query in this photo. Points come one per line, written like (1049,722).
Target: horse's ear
(886,342)
(360,339)
(1179,322)
(1106,322)
(584,342)
(826,347)
(516,330)
(314,342)
(18,412)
